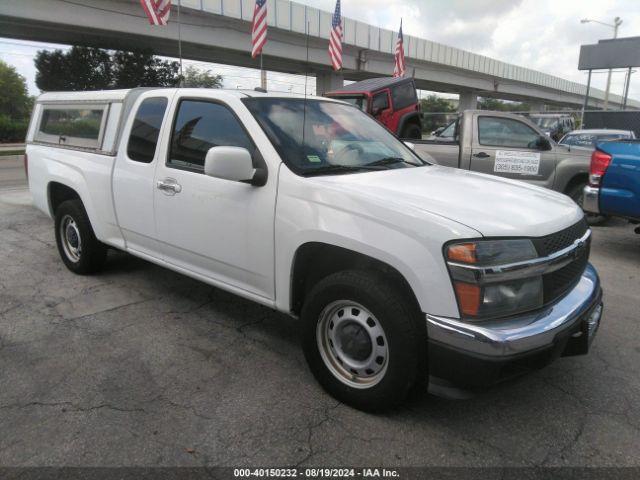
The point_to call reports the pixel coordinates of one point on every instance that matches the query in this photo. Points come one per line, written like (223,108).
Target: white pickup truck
(402,272)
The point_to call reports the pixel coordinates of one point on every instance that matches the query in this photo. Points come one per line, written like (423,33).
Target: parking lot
(142,366)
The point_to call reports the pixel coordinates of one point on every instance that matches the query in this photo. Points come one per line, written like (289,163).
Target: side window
(74,125)
(199,126)
(146,129)
(380,101)
(403,96)
(505,132)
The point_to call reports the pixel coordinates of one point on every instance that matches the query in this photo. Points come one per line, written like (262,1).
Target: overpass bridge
(218,31)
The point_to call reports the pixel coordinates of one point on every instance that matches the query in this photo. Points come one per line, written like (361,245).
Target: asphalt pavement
(142,366)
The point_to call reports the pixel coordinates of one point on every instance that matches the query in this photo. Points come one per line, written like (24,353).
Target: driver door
(209,226)
(507,147)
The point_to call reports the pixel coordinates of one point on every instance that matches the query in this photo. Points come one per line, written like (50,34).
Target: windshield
(336,138)
(590,139)
(545,123)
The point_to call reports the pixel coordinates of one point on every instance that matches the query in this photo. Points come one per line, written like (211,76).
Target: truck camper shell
(89,121)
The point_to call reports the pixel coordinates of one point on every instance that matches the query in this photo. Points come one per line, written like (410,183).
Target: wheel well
(577,180)
(314,261)
(59,193)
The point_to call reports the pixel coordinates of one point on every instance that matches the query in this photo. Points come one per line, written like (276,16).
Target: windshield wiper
(341,168)
(389,161)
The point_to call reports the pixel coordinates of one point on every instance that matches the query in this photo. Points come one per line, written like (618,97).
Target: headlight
(483,289)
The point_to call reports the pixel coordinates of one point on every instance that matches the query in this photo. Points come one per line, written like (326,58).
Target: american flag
(335,40)
(400,68)
(259,29)
(157,10)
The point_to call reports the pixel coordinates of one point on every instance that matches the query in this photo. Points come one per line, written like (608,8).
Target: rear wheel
(78,246)
(576,194)
(412,131)
(363,339)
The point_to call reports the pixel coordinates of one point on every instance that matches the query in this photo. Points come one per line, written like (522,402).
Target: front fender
(410,244)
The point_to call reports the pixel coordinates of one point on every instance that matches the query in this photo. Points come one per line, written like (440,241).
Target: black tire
(92,253)
(576,194)
(397,316)
(412,131)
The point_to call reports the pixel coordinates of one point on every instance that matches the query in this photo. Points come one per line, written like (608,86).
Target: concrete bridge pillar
(328,81)
(468,101)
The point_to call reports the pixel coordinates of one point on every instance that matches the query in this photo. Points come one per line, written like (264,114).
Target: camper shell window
(73,125)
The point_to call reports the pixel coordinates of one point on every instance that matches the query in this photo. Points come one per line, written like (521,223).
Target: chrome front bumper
(526,333)
(590,199)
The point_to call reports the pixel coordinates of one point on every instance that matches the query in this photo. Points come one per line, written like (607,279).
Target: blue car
(614,180)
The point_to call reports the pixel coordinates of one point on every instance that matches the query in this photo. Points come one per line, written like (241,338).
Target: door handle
(482,155)
(169,186)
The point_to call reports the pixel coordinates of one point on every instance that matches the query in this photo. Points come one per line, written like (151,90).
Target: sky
(544,35)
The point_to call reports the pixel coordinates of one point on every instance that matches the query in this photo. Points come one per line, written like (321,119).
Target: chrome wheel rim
(71,240)
(352,344)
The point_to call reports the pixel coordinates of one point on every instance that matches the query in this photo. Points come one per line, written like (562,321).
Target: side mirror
(543,143)
(376,111)
(231,163)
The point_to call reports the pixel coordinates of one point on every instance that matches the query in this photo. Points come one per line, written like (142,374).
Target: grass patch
(6,153)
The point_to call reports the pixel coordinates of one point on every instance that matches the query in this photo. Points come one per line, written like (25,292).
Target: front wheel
(79,248)
(577,195)
(363,339)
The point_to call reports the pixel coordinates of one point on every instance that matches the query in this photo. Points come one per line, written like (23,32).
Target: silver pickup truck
(510,146)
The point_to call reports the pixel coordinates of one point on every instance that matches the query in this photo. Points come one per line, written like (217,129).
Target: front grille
(555,284)
(557,241)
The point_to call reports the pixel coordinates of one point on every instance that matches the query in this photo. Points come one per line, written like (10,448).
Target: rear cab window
(403,96)
(145,131)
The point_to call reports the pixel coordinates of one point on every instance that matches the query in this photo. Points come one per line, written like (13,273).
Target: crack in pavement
(310,428)
(73,407)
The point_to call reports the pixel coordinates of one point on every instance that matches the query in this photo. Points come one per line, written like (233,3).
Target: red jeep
(392,101)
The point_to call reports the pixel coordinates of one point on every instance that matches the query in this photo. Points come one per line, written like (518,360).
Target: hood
(491,205)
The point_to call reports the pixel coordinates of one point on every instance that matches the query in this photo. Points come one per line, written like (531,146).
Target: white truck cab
(403,272)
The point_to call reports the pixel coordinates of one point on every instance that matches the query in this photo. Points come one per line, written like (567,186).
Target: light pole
(616,23)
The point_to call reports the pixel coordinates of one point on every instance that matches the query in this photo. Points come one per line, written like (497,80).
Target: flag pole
(263,74)
(180,43)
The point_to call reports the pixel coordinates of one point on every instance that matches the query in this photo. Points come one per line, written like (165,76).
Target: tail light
(599,163)
(26,166)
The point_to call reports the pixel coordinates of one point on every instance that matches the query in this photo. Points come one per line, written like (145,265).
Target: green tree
(142,69)
(87,68)
(487,103)
(435,112)
(433,103)
(15,102)
(196,78)
(80,68)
